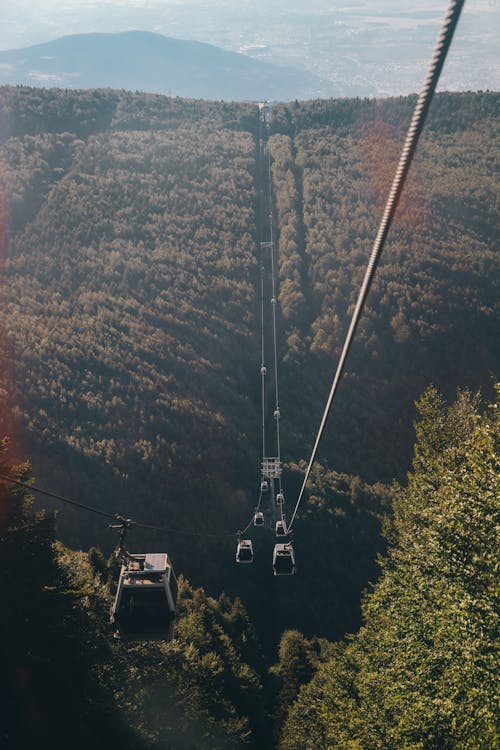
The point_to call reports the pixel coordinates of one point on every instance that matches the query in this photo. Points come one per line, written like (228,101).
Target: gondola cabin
(283,560)
(258,519)
(145,602)
(280,498)
(280,528)
(244,551)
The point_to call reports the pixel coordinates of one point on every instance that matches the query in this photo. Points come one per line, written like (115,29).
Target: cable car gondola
(283,560)
(280,498)
(244,551)
(258,519)
(144,606)
(280,528)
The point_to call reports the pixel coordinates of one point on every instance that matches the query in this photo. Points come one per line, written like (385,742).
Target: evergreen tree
(422,672)
(52,648)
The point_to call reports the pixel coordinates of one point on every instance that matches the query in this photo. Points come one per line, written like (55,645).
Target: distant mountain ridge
(142,60)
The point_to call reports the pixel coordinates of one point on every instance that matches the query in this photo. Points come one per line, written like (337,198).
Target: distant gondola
(280,528)
(144,607)
(244,551)
(258,519)
(283,560)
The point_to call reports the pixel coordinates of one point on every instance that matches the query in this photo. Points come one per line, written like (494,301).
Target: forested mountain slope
(432,314)
(129,313)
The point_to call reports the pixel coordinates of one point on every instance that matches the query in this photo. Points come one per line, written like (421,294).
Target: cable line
(410,145)
(277,413)
(263,369)
(257,508)
(55,496)
(243,531)
(113,516)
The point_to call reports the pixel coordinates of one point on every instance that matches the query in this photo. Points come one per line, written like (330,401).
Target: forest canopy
(129,343)
(422,671)
(129,318)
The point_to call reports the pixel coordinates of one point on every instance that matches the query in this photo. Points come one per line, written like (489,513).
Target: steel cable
(274,302)
(410,145)
(112,516)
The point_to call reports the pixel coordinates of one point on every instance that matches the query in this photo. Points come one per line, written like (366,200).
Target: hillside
(141,60)
(421,672)
(129,317)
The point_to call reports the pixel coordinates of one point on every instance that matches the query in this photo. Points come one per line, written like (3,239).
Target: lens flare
(382,148)
(8,427)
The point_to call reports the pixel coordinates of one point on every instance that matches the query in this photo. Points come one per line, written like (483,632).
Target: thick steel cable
(282,514)
(415,129)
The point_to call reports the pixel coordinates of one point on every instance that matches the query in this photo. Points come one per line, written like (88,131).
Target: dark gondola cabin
(244,551)
(258,519)
(144,607)
(280,528)
(283,560)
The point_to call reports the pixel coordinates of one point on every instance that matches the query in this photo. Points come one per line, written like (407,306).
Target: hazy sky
(24,22)
(383,43)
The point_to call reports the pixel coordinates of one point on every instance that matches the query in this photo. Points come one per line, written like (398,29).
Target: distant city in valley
(360,48)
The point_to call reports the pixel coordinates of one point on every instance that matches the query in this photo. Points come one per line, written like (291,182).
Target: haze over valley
(141,60)
(362,48)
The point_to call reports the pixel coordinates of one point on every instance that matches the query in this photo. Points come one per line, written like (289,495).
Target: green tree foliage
(64,676)
(422,672)
(292,299)
(298,660)
(52,646)
(28,111)
(198,691)
(339,536)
